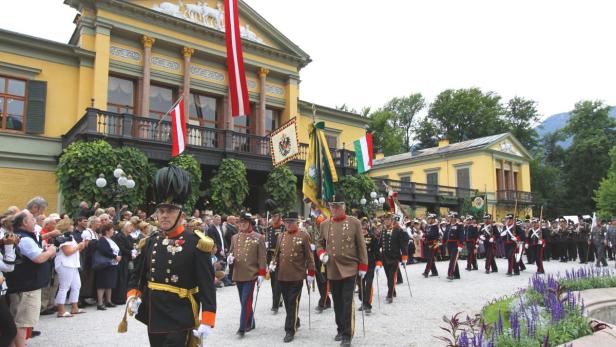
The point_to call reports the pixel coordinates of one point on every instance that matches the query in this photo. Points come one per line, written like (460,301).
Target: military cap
(453,214)
(487,216)
(291,216)
(443,221)
(247,217)
(338,198)
(509,216)
(172,187)
(431,215)
(535,220)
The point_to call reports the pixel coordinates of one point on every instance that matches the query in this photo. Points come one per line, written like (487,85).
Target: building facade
(125,65)
(440,178)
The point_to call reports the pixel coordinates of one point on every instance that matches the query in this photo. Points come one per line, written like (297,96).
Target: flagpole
(171,109)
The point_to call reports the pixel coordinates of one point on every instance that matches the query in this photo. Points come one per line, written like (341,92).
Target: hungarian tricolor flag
(240,104)
(178,128)
(363,153)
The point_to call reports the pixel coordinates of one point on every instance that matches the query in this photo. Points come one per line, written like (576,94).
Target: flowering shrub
(547,313)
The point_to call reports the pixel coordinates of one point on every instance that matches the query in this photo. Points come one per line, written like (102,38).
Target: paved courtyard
(407,322)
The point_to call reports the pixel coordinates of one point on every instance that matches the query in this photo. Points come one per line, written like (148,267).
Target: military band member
(173,271)
(325,302)
(535,244)
(247,253)
(293,262)
(582,239)
(571,241)
(394,250)
(512,236)
(599,240)
(471,234)
(488,235)
(611,237)
(271,237)
(454,237)
(373,247)
(343,250)
(433,237)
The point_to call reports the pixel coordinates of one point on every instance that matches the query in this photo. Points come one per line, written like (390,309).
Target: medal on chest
(174,246)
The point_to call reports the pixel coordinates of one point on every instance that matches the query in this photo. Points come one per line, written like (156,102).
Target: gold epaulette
(205,244)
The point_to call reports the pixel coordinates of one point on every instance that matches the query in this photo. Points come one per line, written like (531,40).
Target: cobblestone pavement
(407,322)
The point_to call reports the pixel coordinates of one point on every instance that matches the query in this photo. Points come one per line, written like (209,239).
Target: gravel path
(407,322)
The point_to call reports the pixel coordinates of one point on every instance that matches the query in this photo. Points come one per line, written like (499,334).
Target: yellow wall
(347,135)
(31,183)
(62,91)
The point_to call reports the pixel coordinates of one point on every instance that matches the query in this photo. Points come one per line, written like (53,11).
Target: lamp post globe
(363,201)
(122,180)
(373,195)
(130,183)
(101,182)
(382,200)
(118,172)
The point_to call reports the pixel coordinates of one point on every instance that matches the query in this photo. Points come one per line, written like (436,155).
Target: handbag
(100,262)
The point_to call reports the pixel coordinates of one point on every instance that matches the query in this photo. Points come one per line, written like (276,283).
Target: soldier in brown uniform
(247,253)
(292,262)
(343,250)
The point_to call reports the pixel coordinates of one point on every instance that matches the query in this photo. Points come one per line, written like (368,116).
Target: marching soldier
(432,243)
(271,237)
(511,235)
(343,250)
(611,236)
(535,244)
(521,243)
(546,234)
(173,272)
(374,262)
(454,236)
(582,240)
(247,252)
(571,241)
(488,235)
(599,240)
(293,261)
(394,244)
(471,234)
(325,301)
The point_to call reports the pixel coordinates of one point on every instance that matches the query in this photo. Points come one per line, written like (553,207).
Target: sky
(366,52)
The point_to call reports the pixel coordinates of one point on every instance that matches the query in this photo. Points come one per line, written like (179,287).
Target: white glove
(378,269)
(133,253)
(260,280)
(362,273)
(491,240)
(202,332)
(324,258)
(482,238)
(504,233)
(459,249)
(266,244)
(272,267)
(526,246)
(134,302)
(540,242)
(230,259)
(310,279)
(313,247)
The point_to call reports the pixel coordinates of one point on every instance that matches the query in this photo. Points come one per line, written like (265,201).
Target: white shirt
(9,255)
(222,239)
(71,261)
(114,248)
(89,234)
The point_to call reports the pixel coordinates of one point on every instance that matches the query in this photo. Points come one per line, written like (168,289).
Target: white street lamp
(363,201)
(101,182)
(118,172)
(382,200)
(373,195)
(122,180)
(130,183)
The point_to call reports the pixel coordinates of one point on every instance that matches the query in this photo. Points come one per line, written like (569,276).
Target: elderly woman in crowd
(67,266)
(107,275)
(126,247)
(90,237)
(8,330)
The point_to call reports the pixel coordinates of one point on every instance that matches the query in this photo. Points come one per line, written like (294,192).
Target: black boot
(288,337)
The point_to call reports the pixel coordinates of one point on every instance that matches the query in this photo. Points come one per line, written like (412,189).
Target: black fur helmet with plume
(171,187)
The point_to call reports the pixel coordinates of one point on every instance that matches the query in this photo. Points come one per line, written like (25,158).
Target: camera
(59,240)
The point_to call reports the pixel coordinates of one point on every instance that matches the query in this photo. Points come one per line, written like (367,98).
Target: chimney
(443,143)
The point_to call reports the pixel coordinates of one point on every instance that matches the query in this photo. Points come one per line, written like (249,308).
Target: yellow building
(440,178)
(124,66)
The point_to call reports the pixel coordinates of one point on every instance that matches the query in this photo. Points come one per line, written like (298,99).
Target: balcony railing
(513,196)
(98,123)
(412,190)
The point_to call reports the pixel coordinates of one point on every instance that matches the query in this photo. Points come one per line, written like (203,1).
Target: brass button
(166,280)
(168,271)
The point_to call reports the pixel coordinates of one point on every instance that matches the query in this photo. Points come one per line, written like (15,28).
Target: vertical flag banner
(320,172)
(178,128)
(240,105)
(363,153)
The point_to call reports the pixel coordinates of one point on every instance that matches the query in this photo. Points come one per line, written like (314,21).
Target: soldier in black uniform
(488,234)
(471,234)
(535,244)
(373,247)
(546,233)
(454,237)
(522,242)
(432,243)
(572,241)
(173,273)
(511,235)
(271,237)
(394,251)
(582,240)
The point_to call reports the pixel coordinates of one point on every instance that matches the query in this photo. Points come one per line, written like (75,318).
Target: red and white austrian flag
(178,128)
(240,104)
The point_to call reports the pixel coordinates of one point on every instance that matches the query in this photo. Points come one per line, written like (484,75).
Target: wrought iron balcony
(513,196)
(412,192)
(209,144)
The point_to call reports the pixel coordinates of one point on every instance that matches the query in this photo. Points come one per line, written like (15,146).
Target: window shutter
(35,115)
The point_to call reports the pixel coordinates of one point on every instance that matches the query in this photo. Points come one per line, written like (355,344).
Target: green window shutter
(35,115)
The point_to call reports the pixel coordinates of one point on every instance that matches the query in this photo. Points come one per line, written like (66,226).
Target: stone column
(187,52)
(502,185)
(263,72)
(511,177)
(145,88)
(102,43)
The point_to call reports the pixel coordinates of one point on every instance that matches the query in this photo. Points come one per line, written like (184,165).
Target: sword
(255,305)
(378,290)
(518,255)
(309,305)
(407,279)
(361,293)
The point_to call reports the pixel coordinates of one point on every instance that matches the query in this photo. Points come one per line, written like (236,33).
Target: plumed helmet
(171,186)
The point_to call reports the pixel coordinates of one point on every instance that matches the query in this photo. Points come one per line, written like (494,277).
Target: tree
(520,117)
(355,188)
(404,110)
(605,196)
(587,162)
(386,139)
(80,165)
(229,187)
(460,115)
(281,186)
(190,164)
